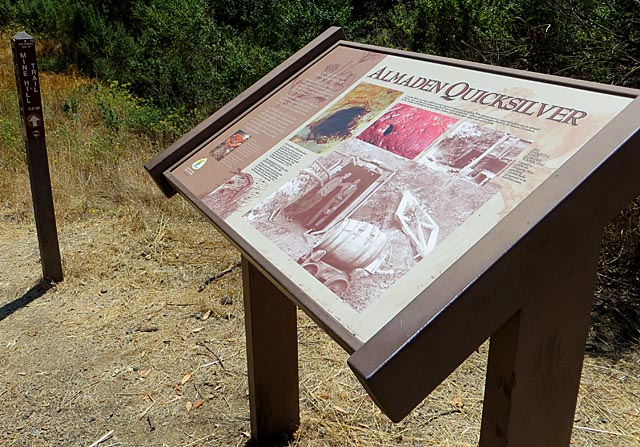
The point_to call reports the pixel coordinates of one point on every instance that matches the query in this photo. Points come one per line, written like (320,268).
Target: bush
(186,56)
(189,57)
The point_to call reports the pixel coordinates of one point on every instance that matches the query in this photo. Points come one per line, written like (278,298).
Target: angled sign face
(414,206)
(359,181)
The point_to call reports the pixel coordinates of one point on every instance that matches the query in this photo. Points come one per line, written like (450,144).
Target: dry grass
(128,339)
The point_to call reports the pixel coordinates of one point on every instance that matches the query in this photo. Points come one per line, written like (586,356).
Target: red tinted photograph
(406,130)
(229,196)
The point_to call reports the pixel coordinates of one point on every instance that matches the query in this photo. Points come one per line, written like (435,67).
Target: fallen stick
(443,413)
(596,430)
(212,353)
(198,441)
(103,438)
(147,329)
(143,414)
(218,276)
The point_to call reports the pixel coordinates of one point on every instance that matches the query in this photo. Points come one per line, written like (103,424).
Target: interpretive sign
(28,85)
(380,189)
(369,175)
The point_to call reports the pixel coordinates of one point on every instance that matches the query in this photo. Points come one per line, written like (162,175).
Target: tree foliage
(192,56)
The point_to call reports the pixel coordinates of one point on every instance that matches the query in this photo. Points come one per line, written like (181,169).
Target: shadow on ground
(32,294)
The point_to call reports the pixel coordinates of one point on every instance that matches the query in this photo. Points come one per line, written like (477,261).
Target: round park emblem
(198,164)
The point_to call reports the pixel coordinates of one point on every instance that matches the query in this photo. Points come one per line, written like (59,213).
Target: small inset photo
(229,145)
(229,196)
(345,118)
(475,153)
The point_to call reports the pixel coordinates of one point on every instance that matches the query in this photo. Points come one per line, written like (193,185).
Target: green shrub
(7,13)
(190,57)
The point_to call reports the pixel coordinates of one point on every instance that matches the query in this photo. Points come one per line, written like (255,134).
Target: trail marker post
(28,84)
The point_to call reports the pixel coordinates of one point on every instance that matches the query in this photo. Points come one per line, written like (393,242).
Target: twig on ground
(218,276)
(9,387)
(212,353)
(596,430)
(198,441)
(65,402)
(441,414)
(144,413)
(103,438)
(147,329)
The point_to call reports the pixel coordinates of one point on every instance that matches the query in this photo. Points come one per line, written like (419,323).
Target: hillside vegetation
(192,56)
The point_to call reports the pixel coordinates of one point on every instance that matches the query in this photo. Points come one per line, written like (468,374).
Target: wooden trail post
(28,84)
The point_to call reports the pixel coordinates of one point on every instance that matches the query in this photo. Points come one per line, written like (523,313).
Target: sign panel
(368,175)
(28,83)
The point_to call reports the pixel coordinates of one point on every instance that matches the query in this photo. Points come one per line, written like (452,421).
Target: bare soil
(138,343)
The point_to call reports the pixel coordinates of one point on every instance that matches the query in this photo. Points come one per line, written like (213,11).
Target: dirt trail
(126,343)
(98,352)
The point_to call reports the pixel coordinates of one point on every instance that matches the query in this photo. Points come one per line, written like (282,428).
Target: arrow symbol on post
(33,120)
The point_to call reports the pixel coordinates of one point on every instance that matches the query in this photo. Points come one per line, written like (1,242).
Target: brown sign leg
(272,357)
(535,358)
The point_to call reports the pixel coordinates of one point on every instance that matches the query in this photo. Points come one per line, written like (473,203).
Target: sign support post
(28,84)
(535,358)
(272,357)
